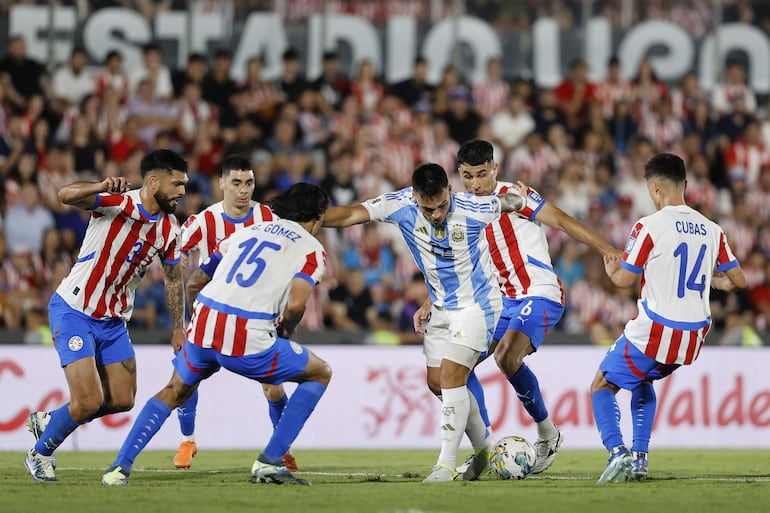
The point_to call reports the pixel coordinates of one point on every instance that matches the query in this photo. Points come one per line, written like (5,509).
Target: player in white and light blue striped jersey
(442,230)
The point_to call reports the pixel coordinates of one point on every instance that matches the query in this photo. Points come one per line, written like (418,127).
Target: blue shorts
(625,366)
(533,316)
(283,361)
(77,335)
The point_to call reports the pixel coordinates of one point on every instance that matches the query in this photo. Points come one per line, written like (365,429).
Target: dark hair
(291,54)
(666,165)
(196,57)
(301,202)
(78,50)
(330,55)
(151,47)
(112,54)
(222,53)
(475,152)
(162,160)
(429,180)
(233,163)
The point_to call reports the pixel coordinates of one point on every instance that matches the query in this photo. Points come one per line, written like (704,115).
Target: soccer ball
(513,458)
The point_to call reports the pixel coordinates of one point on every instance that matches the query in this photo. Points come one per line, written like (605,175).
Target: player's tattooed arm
(510,202)
(197,280)
(172,278)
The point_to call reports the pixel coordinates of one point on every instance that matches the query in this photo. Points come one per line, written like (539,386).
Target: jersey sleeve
(172,253)
(313,268)
(638,248)
(533,205)
(387,206)
(211,263)
(113,203)
(481,208)
(725,258)
(192,234)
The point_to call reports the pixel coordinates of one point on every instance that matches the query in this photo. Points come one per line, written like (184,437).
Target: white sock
(188,438)
(546,429)
(479,434)
(455,407)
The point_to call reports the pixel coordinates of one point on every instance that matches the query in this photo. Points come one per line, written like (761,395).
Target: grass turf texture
(700,481)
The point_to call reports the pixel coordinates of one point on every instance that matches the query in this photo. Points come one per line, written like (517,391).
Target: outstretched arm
(554,217)
(172,278)
(341,217)
(83,194)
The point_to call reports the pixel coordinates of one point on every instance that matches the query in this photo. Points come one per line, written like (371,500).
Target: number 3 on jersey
(250,256)
(691,284)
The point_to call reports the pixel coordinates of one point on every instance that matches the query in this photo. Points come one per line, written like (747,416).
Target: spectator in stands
(366,88)
(152,114)
(415,88)
(192,111)
(262,98)
(218,87)
(534,161)
(450,80)
(112,76)
(661,127)
(462,120)
(57,174)
(648,89)
(12,144)
(21,76)
(153,70)
(292,81)
(510,125)
(574,94)
(613,89)
(733,86)
(194,71)
(332,85)
(350,304)
(490,94)
(748,153)
(73,81)
(26,222)
(685,97)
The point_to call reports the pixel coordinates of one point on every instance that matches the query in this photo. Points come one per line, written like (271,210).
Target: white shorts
(470,327)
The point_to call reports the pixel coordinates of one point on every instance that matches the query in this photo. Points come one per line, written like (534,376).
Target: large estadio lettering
(263,34)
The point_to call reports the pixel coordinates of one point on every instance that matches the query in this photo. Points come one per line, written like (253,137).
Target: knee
(434,386)
(84,408)
(273,393)
(323,374)
(506,360)
(119,404)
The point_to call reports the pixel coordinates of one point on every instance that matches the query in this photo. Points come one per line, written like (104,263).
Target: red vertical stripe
(502,269)
(219,331)
(513,252)
(673,347)
(641,258)
(104,256)
(200,321)
(120,287)
(267,214)
(239,338)
(691,346)
(211,231)
(117,262)
(656,333)
(311,264)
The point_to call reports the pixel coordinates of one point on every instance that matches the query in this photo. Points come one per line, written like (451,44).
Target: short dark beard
(164,203)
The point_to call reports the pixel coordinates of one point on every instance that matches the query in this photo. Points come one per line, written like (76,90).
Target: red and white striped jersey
(202,232)
(490,96)
(675,250)
(519,250)
(236,312)
(120,243)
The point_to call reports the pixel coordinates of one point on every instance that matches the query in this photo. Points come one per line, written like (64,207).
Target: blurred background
(352,94)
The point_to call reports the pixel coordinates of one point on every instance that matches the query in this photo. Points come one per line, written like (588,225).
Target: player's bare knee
(273,392)
(83,408)
(434,386)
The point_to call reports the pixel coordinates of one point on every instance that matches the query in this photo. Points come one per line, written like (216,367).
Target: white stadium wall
(378,399)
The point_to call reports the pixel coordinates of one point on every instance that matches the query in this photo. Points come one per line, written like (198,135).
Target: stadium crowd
(583,145)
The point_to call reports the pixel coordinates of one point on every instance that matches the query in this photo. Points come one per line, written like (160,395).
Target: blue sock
(299,407)
(607,417)
(186,413)
(147,423)
(101,412)
(275,408)
(643,404)
(528,389)
(474,386)
(59,428)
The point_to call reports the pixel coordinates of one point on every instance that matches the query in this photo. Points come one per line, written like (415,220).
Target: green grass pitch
(703,481)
